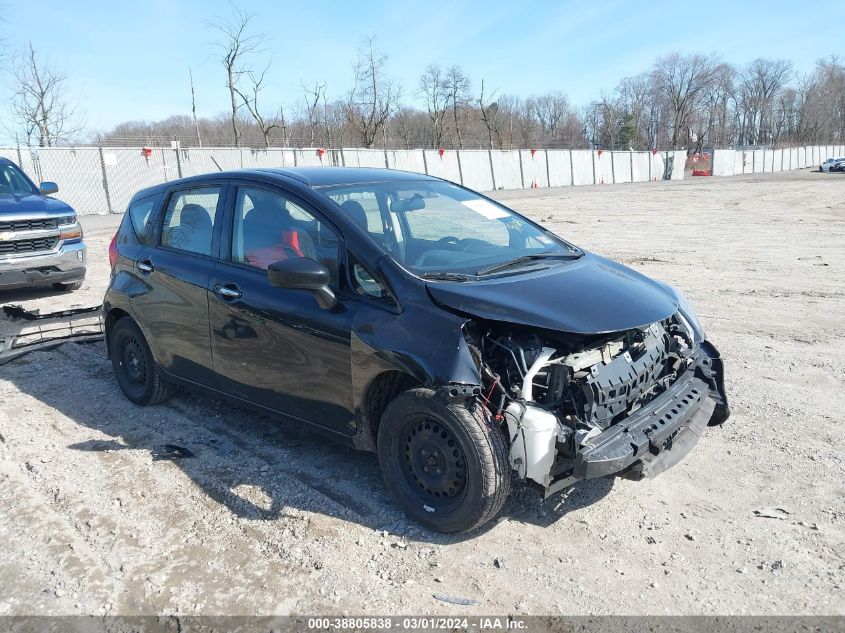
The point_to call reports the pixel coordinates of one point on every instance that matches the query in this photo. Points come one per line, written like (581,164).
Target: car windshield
(13,182)
(437,229)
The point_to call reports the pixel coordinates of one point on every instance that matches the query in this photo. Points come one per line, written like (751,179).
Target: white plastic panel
(79,174)
(476,170)
(604,167)
(621,166)
(445,166)
(506,169)
(534,168)
(679,163)
(560,167)
(723,162)
(757,161)
(641,162)
(407,160)
(582,167)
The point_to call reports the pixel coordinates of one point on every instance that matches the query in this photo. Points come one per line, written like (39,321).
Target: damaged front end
(585,406)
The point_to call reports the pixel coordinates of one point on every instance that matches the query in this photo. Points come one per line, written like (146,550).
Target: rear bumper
(65,265)
(661,433)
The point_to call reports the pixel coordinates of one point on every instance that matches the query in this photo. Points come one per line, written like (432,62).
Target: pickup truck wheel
(446,465)
(76,285)
(135,369)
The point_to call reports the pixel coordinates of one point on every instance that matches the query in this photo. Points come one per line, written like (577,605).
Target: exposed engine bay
(557,394)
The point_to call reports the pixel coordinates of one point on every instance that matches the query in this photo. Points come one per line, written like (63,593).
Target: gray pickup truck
(40,237)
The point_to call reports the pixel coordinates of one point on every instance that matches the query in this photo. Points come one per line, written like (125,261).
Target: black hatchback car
(462,342)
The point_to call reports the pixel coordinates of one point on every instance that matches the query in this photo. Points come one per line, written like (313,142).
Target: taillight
(113,251)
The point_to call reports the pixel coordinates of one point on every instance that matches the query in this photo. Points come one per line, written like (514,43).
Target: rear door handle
(146,266)
(229,291)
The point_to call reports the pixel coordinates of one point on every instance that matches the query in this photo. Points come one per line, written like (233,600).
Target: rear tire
(446,465)
(75,285)
(135,369)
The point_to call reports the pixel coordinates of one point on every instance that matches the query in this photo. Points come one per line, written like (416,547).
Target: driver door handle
(228,291)
(146,266)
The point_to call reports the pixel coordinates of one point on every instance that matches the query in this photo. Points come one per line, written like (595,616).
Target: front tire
(446,465)
(135,369)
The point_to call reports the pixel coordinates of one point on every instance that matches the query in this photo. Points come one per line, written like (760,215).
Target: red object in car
(701,172)
(113,251)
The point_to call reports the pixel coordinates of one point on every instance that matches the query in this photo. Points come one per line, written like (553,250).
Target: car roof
(312,177)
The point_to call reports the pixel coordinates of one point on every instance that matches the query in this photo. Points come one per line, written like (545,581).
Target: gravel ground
(266,518)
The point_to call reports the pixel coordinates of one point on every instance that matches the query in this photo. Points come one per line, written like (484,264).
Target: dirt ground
(269,519)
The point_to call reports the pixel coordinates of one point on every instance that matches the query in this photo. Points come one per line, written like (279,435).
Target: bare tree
(433,89)
(266,123)
(683,80)
(373,96)
(457,88)
(489,114)
(194,107)
(39,101)
(234,48)
(312,97)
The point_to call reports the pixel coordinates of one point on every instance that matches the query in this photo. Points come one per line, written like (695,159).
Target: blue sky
(129,60)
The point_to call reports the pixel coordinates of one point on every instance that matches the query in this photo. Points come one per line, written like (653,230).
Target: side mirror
(303,273)
(48,188)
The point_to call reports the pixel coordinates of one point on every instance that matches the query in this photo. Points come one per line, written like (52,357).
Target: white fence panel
(276,158)
(802,157)
(79,175)
(658,166)
(128,171)
(817,151)
(443,166)
(604,167)
(739,163)
(560,167)
(476,170)
(768,160)
(407,160)
(534,168)
(723,162)
(506,169)
(363,158)
(582,167)
(758,161)
(312,157)
(640,163)
(777,160)
(679,164)
(197,161)
(621,166)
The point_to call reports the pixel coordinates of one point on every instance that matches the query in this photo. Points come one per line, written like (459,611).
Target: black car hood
(12,203)
(591,295)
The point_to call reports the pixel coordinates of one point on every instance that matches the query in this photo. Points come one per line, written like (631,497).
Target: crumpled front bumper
(64,265)
(662,432)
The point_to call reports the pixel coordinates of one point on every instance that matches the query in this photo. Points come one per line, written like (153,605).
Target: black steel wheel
(135,369)
(445,464)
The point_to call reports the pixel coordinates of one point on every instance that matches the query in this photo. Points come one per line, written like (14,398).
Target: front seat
(194,230)
(271,235)
(356,213)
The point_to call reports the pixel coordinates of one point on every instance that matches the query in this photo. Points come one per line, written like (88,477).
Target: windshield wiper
(526,259)
(445,276)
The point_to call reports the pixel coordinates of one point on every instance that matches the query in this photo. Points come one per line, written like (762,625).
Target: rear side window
(140,213)
(189,220)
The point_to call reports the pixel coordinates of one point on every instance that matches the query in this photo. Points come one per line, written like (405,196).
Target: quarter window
(139,214)
(270,227)
(189,220)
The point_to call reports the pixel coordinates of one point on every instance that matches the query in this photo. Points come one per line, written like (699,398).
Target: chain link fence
(101,180)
